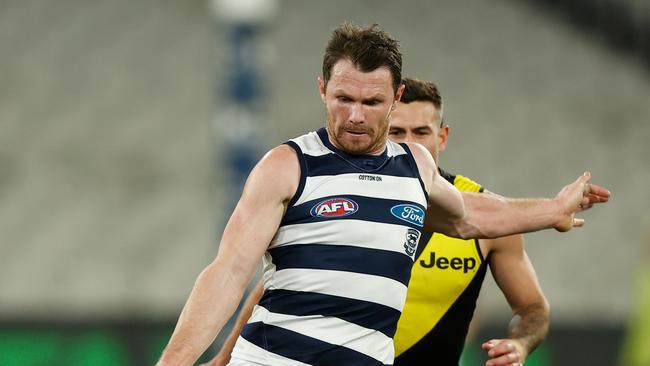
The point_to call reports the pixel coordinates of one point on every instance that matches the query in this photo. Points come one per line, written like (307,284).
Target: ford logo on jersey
(334,207)
(409,213)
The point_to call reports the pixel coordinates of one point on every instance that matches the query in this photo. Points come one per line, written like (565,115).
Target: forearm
(493,216)
(529,326)
(211,303)
(224,354)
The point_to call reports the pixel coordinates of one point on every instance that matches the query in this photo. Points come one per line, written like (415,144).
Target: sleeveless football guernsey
(336,272)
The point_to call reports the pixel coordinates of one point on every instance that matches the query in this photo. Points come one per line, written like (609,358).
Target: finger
(588,202)
(599,191)
(593,198)
(490,344)
(504,360)
(584,178)
(502,348)
(584,207)
(598,199)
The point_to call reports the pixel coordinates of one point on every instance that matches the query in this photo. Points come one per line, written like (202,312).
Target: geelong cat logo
(409,213)
(334,207)
(411,243)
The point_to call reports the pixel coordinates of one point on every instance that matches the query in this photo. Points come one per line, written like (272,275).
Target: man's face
(419,122)
(358,106)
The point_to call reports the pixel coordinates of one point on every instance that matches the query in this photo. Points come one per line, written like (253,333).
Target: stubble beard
(374,147)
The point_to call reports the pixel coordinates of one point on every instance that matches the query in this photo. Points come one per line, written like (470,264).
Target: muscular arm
(220,285)
(445,204)
(492,216)
(223,357)
(474,215)
(515,276)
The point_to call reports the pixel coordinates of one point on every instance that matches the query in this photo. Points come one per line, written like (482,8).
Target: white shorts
(238,362)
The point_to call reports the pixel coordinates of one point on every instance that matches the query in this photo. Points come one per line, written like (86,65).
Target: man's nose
(356,113)
(409,137)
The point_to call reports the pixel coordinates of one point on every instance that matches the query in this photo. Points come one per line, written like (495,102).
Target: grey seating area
(107,177)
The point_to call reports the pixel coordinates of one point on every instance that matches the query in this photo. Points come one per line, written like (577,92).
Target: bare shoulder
(278,172)
(282,157)
(420,153)
(424,160)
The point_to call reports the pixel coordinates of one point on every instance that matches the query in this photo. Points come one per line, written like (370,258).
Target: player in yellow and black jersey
(447,274)
(445,282)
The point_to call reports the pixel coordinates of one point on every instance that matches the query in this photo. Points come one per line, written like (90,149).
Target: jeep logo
(454,263)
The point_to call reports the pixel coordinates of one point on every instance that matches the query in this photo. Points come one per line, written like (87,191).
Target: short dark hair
(368,48)
(416,90)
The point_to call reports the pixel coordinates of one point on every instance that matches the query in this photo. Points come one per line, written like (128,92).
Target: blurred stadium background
(127,126)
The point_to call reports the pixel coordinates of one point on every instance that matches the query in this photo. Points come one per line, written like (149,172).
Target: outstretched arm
(475,215)
(515,276)
(223,357)
(251,228)
(493,216)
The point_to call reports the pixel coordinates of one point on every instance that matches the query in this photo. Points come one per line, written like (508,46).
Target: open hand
(576,197)
(504,352)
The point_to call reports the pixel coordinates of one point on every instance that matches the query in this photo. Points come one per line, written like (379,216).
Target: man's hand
(576,197)
(505,352)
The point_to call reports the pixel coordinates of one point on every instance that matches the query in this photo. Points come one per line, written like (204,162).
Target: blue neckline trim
(364,162)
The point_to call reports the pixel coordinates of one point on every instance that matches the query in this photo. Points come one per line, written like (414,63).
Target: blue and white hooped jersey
(337,270)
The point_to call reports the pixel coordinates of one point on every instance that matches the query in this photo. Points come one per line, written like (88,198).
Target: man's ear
(443,135)
(321,88)
(398,94)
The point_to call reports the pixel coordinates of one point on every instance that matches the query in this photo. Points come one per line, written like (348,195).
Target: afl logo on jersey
(409,213)
(334,207)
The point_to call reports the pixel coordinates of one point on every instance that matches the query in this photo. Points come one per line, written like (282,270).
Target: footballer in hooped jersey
(330,312)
